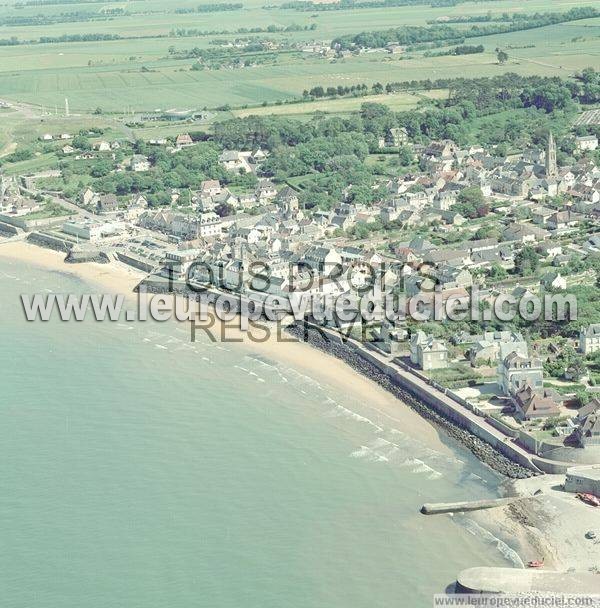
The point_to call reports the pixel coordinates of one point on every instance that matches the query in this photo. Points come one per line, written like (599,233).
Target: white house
(589,339)
(586,142)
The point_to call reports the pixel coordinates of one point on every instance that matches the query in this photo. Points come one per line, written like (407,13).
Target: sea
(141,470)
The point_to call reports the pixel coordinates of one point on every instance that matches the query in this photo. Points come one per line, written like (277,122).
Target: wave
(478,531)
(341,411)
(366,453)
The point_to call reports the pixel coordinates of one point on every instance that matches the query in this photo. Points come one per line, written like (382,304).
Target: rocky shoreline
(482,450)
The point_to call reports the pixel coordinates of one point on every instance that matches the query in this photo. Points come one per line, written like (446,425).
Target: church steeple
(551,167)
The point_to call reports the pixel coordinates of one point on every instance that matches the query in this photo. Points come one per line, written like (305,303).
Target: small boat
(535,563)
(589,499)
(590,535)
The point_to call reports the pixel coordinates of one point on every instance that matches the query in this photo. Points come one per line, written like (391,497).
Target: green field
(140,74)
(396,101)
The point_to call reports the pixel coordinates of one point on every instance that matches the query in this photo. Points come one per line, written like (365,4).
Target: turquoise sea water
(139,470)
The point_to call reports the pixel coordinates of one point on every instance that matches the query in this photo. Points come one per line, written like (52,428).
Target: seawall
(427,401)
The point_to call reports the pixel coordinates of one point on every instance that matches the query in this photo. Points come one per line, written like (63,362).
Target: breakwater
(471,505)
(49,241)
(83,256)
(481,449)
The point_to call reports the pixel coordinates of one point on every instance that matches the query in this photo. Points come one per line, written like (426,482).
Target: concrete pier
(514,580)
(473,505)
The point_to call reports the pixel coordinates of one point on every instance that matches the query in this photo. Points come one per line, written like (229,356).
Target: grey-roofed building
(589,339)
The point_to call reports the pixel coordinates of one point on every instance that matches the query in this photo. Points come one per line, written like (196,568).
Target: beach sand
(550,528)
(327,370)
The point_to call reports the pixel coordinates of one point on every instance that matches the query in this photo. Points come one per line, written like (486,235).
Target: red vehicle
(536,563)
(589,499)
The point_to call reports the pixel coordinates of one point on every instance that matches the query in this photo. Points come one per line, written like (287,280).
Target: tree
(502,57)
(576,368)
(471,203)
(82,142)
(526,261)
(496,272)
(405,156)
(224,209)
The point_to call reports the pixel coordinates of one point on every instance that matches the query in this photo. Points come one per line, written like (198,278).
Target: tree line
(411,34)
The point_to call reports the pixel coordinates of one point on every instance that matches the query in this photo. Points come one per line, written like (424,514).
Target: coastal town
(445,222)
(301,303)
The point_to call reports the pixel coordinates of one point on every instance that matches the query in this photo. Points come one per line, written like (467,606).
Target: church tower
(551,168)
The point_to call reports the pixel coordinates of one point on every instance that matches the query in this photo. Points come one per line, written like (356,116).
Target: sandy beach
(550,528)
(325,369)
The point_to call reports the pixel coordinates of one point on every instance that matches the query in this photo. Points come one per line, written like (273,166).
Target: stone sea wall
(424,404)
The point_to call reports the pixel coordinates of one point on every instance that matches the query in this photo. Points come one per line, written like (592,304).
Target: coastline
(322,367)
(529,535)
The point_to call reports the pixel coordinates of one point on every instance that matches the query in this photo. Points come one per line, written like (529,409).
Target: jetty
(512,580)
(472,505)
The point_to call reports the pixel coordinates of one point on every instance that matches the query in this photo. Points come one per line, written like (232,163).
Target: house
(266,191)
(586,142)
(516,372)
(524,233)
(583,479)
(428,352)
(137,206)
(553,280)
(392,335)
(593,407)
(494,346)
(288,201)
(209,224)
(177,263)
(107,203)
(68,150)
(102,146)
(588,432)
(589,339)
(210,187)
(444,149)
(140,163)
(394,138)
(88,196)
(562,220)
(448,257)
(233,160)
(91,231)
(184,140)
(322,259)
(531,404)
(540,215)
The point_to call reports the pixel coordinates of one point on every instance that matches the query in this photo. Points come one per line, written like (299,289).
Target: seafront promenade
(436,398)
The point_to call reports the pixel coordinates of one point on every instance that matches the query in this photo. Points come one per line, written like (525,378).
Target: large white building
(209,224)
(589,339)
(89,230)
(177,263)
(516,372)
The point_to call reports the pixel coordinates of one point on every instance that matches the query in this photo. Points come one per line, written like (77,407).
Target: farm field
(143,74)
(396,101)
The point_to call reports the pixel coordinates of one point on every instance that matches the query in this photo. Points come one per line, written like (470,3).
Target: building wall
(580,482)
